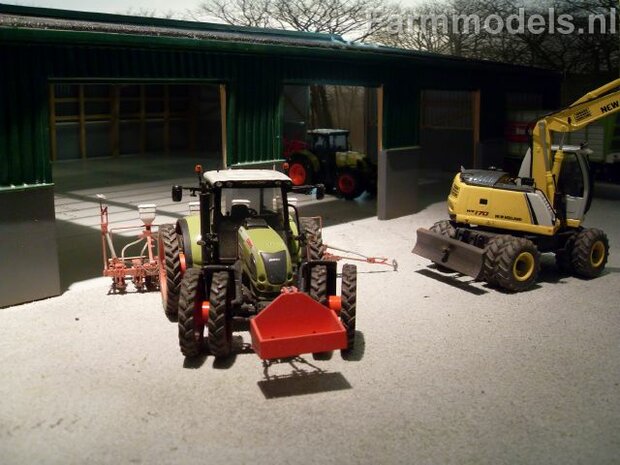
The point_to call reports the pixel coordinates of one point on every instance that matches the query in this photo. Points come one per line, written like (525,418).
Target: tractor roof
(328,132)
(245,176)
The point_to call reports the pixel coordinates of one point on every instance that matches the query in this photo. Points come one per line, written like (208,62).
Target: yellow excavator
(500,224)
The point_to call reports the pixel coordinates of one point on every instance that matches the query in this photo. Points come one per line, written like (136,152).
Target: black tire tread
(505,259)
(318,284)
(172,267)
(349,302)
(492,252)
(219,324)
(315,249)
(580,254)
(190,296)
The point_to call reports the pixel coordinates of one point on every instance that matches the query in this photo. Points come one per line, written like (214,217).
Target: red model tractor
(249,260)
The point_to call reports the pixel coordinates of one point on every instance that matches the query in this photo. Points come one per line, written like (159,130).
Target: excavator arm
(545,164)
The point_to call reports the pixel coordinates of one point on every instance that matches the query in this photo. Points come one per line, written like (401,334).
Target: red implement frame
(295,324)
(142,270)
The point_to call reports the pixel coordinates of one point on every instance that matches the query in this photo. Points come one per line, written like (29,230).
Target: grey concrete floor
(447,371)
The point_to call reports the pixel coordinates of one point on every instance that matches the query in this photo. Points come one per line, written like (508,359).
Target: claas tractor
(247,259)
(326,158)
(499,224)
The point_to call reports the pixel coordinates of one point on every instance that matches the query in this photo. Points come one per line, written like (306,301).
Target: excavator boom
(597,104)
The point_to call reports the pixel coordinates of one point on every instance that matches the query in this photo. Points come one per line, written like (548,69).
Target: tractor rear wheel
(318,284)
(349,300)
(300,172)
(169,270)
(315,249)
(350,184)
(220,323)
(590,252)
(517,264)
(444,228)
(191,326)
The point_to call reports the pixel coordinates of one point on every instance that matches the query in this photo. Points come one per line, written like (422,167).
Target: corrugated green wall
(254,87)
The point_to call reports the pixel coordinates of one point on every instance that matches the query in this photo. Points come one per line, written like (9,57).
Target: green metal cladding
(254,74)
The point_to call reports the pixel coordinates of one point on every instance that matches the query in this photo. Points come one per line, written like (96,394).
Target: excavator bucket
(450,253)
(295,324)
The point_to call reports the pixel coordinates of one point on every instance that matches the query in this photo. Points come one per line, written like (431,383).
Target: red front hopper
(296,324)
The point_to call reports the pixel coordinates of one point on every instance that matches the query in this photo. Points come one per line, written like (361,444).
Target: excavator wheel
(349,301)
(563,256)
(220,323)
(169,270)
(314,238)
(492,251)
(589,253)
(517,264)
(191,327)
(445,228)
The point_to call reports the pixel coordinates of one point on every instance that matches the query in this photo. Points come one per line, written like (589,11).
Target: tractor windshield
(339,142)
(245,202)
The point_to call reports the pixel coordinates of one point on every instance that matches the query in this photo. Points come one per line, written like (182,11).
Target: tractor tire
(492,252)
(220,322)
(590,252)
(169,270)
(300,172)
(318,284)
(563,256)
(445,228)
(517,264)
(349,301)
(191,327)
(315,250)
(350,184)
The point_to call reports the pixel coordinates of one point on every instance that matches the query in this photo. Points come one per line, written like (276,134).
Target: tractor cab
(329,141)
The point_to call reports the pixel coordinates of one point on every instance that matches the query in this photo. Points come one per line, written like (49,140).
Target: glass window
(243,202)
(339,142)
(571,176)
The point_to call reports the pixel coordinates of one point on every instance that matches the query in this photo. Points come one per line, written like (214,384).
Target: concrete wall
(28,251)
(397,180)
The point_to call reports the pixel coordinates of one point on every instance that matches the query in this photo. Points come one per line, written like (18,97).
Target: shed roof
(45,24)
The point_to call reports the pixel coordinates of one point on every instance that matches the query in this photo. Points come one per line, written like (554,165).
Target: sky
(123,6)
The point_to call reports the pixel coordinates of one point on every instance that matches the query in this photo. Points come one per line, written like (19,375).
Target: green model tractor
(327,158)
(247,257)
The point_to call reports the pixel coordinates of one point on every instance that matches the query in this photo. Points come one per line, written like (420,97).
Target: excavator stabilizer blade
(450,253)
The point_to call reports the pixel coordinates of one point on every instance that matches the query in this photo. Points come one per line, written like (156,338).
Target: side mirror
(177,193)
(320,191)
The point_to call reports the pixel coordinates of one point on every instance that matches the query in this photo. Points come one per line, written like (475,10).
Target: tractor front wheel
(516,265)
(220,323)
(311,227)
(318,284)
(169,270)
(349,184)
(349,300)
(589,253)
(191,326)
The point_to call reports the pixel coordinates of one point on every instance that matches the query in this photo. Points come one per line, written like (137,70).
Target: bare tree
(350,18)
